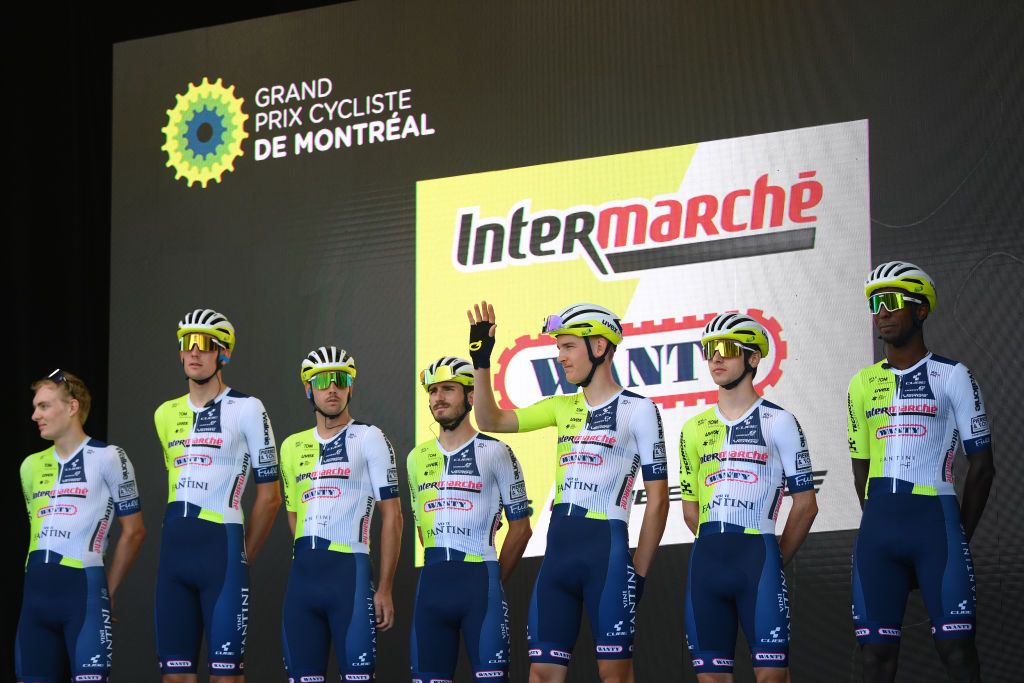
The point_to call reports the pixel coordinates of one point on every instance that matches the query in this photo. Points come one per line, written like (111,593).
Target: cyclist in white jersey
(211,438)
(335,475)
(459,484)
(72,492)
(607,437)
(909,415)
(737,459)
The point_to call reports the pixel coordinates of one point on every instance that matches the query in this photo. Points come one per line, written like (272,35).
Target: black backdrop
(941,86)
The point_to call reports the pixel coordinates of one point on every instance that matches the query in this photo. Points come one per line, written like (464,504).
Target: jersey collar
(216,399)
(741,418)
(913,367)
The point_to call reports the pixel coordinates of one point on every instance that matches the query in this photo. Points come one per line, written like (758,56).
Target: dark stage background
(939,82)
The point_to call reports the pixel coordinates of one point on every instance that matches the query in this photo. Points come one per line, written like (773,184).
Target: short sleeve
(791,447)
(541,414)
(650,441)
(509,476)
(119,476)
(969,411)
(288,456)
(689,463)
(380,463)
(856,421)
(259,437)
(410,471)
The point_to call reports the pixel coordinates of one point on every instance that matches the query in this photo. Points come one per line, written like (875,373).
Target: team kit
(909,415)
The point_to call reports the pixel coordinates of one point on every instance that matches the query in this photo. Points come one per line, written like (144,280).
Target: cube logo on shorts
(204,132)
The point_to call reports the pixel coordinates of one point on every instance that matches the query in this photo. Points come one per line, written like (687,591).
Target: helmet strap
(594,362)
(452,425)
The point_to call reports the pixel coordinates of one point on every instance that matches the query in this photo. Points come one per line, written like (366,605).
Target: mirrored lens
(726,348)
(442,374)
(203,341)
(552,323)
(324,380)
(893,301)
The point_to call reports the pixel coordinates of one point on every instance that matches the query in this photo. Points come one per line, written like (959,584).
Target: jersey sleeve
(856,421)
(410,471)
(649,436)
(288,475)
(969,411)
(259,437)
(26,484)
(791,446)
(119,476)
(541,414)
(689,464)
(511,485)
(158,420)
(380,463)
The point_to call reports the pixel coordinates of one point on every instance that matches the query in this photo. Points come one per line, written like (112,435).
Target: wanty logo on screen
(204,132)
(624,236)
(658,359)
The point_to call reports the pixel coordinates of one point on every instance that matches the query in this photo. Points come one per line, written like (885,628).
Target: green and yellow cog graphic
(204,132)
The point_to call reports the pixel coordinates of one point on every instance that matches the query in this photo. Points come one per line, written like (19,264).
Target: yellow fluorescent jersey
(910,423)
(209,451)
(332,485)
(457,497)
(738,470)
(601,449)
(71,503)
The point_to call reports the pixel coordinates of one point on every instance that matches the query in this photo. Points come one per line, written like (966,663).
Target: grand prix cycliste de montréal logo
(204,132)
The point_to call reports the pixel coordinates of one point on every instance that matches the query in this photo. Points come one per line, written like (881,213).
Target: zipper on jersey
(444,475)
(899,439)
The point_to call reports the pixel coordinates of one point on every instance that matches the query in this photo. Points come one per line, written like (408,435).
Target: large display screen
(360,175)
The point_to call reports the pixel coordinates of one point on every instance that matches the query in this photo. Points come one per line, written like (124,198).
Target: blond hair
(73,388)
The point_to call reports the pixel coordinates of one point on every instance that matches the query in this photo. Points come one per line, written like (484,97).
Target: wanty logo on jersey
(321,492)
(621,236)
(659,359)
(204,132)
(460,504)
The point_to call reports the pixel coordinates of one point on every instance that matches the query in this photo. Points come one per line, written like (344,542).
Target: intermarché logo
(204,132)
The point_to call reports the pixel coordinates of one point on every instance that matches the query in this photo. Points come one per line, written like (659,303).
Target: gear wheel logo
(204,132)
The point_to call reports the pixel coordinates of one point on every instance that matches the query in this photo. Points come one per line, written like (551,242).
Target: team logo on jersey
(748,432)
(460,504)
(127,490)
(453,485)
(741,476)
(517,490)
(51,510)
(73,471)
(200,460)
(334,451)
(267,456)
(658,359)
(580,458)
(326,473)
(208,420)
(803,461)
(979,424)
(893,431)
(916,386)
(464,463)
(321,492)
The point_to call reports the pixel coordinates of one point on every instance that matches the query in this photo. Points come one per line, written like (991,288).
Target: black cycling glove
(481,343)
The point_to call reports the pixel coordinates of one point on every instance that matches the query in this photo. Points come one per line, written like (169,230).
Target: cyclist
(607,436)
(909,414)
(72,491)
(737,458)
(459,484)
(335,474)
(211,438)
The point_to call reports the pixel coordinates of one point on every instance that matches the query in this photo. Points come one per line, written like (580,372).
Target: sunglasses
(726,348)
(57,377)
(324,380)
(893,301)
(442,374)
(551,323)
(203,342)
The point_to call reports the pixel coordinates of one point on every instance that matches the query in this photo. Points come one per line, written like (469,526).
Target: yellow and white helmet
(208,321)
(905,276)
(447,369)
(327,358)
(738,328)
(585,320)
